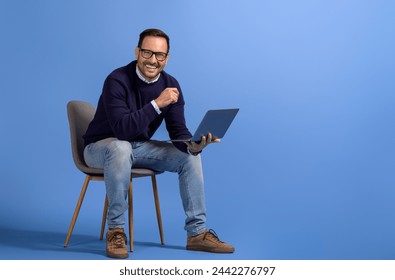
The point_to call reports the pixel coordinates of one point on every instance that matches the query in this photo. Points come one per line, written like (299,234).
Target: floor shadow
(37,244)
(35,240)
(158,245)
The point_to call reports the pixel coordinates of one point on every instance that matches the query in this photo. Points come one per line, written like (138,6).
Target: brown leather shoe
(208,242)
(116,244)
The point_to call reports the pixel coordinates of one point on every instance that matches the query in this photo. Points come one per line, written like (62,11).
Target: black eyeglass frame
(153,53)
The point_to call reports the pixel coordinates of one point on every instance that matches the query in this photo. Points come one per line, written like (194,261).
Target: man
(135,100)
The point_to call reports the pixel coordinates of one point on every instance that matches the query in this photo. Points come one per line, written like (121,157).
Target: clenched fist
(167,97)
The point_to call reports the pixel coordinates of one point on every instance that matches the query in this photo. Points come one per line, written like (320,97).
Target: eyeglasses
(160,56)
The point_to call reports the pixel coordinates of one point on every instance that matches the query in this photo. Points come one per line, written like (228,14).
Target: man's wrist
(156,107)
(193,153)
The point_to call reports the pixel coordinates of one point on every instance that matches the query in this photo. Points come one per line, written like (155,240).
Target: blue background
(306,171)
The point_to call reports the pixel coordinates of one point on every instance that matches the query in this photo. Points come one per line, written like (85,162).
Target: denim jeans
(117,157)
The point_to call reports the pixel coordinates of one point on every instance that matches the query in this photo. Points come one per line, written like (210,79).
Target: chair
(80,114)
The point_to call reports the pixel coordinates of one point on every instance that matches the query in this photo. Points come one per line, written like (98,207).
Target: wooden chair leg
(104,218)
(157,206)
(130,213)
(77,209)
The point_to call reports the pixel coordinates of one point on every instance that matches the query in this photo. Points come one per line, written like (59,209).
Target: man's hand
(195,147)
(167,97)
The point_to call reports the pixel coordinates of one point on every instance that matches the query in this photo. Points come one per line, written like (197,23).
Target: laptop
(215,122)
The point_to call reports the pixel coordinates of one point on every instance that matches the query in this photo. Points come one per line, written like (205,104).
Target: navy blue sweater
(125,111)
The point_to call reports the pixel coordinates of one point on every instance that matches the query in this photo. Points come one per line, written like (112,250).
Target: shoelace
(118,239)
(211,234)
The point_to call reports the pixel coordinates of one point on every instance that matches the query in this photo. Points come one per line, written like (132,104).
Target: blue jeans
(117,157)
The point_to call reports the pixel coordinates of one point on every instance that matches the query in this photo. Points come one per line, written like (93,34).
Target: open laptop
(215,122)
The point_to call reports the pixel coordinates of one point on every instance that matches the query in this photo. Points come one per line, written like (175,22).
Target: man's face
(151,67)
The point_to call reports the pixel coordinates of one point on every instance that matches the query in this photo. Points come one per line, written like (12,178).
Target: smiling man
(134,102)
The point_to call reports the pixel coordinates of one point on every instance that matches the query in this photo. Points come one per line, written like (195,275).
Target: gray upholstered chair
(80,114)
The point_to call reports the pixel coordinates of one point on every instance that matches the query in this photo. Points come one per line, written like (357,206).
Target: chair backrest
(80,114)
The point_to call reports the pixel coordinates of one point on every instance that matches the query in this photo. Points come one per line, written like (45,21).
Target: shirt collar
(143,78)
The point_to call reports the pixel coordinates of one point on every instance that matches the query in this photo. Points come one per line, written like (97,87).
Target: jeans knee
(119,150)
(192,163)
(195,160)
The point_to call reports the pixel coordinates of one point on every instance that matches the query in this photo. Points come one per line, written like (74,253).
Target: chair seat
(135,172)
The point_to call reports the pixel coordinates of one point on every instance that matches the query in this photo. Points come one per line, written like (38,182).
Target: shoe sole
(117,256)
(209,250)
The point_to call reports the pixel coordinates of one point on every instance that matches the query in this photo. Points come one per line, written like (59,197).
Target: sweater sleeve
(176,125)
(126,123)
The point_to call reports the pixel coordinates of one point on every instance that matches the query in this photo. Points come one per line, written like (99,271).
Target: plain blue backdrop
(306,171)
